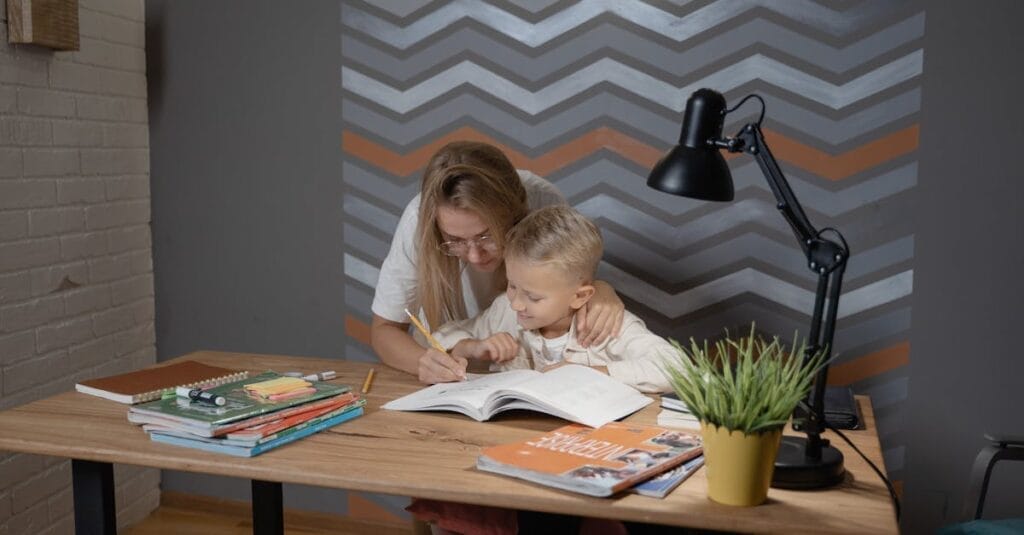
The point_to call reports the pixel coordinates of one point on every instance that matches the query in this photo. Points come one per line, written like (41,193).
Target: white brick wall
(76,269)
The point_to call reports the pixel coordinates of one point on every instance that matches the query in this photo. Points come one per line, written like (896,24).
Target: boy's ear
(583,294)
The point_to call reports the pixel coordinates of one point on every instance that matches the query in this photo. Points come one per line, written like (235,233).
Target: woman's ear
(582,296)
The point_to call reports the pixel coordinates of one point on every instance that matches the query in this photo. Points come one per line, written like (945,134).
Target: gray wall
(246,219)
(967,370)
(244,108)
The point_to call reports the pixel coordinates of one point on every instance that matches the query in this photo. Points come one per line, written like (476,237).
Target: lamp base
(793,470)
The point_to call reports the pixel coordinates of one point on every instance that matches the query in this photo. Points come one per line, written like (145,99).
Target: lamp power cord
(888,484)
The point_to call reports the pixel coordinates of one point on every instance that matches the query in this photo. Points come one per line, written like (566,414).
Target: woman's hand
(601,317)
(500,347)
(438,367)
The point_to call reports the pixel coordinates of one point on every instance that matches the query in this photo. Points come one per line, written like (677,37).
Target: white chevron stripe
(646,86)
(361,271)
(635,11)
(749,280)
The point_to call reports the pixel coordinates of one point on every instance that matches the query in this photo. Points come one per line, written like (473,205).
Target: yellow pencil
(368,381)
(433,342)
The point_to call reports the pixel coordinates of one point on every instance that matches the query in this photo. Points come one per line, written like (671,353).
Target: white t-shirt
(397,284)
(554,349)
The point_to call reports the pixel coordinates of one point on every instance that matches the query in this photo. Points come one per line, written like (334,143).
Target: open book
(575,393)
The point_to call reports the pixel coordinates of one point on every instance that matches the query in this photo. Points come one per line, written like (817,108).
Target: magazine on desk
(575,393)
(597,462)
(660,485)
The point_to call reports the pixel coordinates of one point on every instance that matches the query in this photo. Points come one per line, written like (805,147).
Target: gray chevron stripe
(889,393)
(468,43)
(603,207)
(644,15)
(850,337)
(737,314)
(749,280)
(748,175)
(357,298)
(894,457)
(368,213)
(533,6)
(639,83)
(400,8)
(360,271)
(380,187)
(785,257)
(592,109)
(362,242)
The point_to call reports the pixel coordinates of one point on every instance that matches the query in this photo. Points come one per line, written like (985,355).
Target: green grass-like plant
(756,393)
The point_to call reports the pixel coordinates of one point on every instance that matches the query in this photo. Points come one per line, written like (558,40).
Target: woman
(446,257)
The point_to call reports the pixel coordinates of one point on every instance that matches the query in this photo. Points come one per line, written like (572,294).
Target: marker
(198,394)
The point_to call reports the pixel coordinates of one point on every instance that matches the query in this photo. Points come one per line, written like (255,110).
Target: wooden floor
(185,514)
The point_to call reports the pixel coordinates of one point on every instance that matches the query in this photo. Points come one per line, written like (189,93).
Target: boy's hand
(500,347)
(438,367)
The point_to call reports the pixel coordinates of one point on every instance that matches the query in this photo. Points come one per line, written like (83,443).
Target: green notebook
(239,404)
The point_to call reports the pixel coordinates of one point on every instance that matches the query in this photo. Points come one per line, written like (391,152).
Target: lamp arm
(825,257)
(751,140)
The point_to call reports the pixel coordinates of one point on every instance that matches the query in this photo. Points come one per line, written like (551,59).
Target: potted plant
(743,391)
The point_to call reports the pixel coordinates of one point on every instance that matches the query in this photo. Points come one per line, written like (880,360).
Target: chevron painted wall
(589,94)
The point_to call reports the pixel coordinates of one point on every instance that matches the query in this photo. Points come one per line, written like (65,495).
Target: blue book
(659,486)
(241,451)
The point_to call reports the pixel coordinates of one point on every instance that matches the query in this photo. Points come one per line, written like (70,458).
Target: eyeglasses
(461,247)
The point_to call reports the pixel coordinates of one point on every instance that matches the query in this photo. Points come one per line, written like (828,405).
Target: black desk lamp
(695,168)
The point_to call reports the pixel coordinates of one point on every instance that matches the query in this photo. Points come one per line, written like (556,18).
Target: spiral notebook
(152,383)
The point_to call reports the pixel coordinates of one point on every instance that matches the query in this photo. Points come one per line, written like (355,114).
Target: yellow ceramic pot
(739,467)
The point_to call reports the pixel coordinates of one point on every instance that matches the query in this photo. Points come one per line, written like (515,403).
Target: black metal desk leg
(267,511)
(93,485)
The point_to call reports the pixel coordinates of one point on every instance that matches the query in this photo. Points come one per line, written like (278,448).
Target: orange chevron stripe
(870,365)
(589,143)
(848,163)
(364,509)
(785,149)
(357,329)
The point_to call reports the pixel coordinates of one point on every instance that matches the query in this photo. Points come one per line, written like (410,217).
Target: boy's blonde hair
(467,175)
(560,236)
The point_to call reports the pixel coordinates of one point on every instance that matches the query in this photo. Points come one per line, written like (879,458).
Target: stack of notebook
(250,416)
(675,413)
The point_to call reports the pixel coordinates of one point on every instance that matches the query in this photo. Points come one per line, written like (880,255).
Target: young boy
(551,258)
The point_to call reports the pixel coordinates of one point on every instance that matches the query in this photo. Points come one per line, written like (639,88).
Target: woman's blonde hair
(559,236)
(466,175)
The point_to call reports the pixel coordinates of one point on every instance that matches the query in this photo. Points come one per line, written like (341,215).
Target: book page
(467,397)
(576,393)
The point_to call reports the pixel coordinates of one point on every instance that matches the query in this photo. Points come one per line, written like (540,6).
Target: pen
(433,341)
(198,394)
(368,381)
(437,345)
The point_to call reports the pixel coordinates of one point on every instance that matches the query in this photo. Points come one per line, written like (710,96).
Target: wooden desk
(426,455)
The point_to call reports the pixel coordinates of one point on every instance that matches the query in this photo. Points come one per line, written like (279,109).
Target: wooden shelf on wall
(49,23)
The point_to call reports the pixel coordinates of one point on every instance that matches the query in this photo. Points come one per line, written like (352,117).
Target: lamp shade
(695,167)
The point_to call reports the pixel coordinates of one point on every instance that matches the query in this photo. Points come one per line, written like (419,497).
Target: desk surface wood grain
(433,455)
